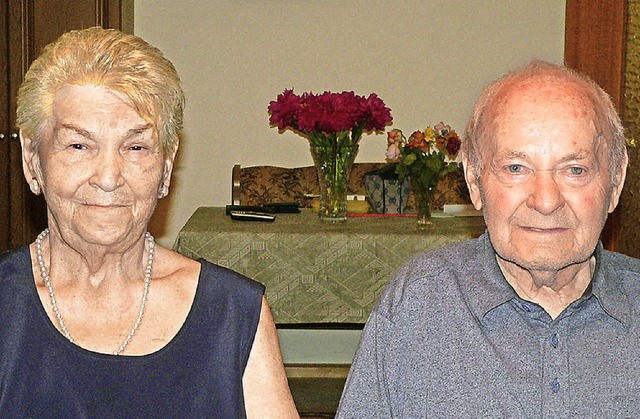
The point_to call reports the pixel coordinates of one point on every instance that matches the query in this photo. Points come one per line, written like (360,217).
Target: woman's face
(100,166)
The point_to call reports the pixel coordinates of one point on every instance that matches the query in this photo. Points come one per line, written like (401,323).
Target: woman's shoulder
(226,279)
(185,272)
(16,262)
(171,264)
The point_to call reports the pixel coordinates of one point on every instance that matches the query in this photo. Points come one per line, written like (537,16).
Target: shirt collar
(488,288)
(607,287)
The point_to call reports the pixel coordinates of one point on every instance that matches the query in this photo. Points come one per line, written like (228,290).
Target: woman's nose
(107,173)
(545,195)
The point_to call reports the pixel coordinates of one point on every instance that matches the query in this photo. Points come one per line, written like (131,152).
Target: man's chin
(544,261)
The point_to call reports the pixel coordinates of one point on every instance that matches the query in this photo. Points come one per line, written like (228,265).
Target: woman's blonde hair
(104,57)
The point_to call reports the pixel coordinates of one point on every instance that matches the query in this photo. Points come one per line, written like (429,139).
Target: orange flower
(419,141)
(394,137)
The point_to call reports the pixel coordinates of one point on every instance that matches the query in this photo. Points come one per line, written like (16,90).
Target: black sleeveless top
(197,374)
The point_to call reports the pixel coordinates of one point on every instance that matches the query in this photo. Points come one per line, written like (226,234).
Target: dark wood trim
(4,127)
(321,326)
(595,37)
(119,15)
(595,42)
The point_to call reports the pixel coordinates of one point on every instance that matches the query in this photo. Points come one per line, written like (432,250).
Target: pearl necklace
(54,304)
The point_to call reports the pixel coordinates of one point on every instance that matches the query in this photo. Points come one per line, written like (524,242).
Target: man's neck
(551,290)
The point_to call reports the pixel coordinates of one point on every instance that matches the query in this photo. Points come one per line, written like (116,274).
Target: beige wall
(427,59)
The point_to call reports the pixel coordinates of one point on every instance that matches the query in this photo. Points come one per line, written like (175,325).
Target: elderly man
(534,318)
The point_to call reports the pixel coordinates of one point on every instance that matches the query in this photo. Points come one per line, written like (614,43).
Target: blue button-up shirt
(451,338)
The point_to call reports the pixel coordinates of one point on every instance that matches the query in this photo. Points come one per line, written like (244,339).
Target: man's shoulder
(621,271)
(437,273)
(615,261)
(459,259)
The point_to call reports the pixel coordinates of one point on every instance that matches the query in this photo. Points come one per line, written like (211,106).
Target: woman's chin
(105,234)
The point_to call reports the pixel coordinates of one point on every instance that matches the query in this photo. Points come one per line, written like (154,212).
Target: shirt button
(526,307)
(555,385)
(554,340)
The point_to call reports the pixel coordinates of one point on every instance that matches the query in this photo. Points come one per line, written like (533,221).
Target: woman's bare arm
(266,391)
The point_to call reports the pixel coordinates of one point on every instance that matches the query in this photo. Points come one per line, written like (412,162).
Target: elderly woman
(97,320)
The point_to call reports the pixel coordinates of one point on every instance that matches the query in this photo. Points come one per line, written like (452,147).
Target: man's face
(545,187)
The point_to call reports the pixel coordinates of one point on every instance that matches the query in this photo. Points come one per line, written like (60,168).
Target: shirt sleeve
(366,392)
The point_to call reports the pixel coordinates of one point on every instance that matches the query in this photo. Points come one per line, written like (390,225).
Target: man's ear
(470,176)
(31,164)
(616,189)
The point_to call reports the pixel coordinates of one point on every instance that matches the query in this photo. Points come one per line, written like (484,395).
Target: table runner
(317,272)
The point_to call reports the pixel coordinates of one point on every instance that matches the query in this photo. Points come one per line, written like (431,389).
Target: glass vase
(333,164)
(424,201)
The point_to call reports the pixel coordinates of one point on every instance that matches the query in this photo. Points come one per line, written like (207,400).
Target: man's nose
(545,195)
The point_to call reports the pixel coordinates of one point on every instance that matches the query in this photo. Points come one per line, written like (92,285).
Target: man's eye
(136,148)
(78,146)
(576,171)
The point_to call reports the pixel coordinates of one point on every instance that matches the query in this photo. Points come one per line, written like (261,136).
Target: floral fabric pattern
(260,185)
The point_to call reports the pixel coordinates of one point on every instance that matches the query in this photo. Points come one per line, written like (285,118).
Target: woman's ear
(166,175)
(472,179)
(31,164)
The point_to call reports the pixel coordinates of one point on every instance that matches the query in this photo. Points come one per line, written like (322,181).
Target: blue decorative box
(386,195)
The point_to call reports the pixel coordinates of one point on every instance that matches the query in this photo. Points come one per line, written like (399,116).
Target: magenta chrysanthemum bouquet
(333,123)
(329,118)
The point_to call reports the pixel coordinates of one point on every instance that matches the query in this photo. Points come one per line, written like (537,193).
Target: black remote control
(240,215)
(252,208)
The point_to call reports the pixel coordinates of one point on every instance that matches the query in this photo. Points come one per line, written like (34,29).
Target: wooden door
(31,25)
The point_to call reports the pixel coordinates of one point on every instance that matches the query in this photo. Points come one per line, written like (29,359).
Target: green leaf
(408,160)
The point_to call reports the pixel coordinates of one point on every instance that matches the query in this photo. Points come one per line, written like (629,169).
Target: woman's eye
(576,171)
(78,146)
(136,148)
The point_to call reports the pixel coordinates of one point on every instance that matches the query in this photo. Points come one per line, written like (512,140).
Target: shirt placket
(555,371)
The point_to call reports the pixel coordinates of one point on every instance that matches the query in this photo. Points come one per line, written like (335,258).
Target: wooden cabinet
(26,27)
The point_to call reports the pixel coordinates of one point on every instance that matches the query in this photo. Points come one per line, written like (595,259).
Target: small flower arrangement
(329,118)
(426,156)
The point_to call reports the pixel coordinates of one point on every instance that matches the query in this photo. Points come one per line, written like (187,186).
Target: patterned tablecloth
(317,272)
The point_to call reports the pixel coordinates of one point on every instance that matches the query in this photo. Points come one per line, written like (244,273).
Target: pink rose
(393,153)
(442,129)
